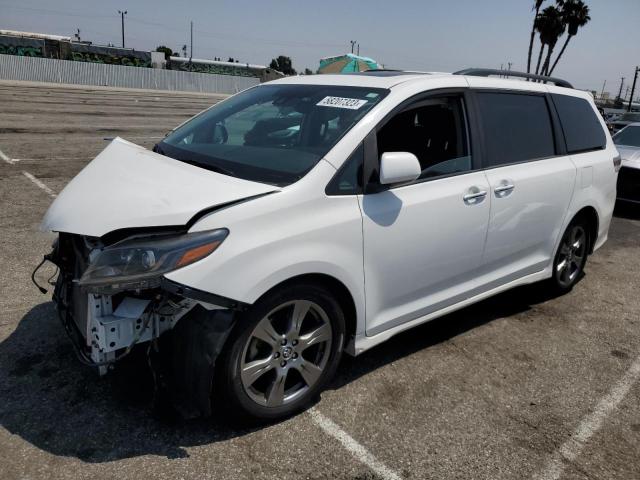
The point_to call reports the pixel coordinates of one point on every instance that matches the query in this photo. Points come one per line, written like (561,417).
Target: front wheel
(281,353)
(568,265)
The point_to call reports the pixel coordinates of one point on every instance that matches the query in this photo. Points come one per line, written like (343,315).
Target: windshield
(629,136)
(630,117)
(272,133)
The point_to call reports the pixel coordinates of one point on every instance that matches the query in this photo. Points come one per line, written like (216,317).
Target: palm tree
(552,29)
(575,14)
(539,25)
(547,24)
(536,7)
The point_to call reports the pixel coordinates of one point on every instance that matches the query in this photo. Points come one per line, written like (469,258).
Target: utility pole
(621,85)
(602,93)
(626,93)
(358,49)
(353,42)
(633,88)
(191,54)
(122,14)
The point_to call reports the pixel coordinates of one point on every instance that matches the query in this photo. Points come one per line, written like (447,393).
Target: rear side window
(580,124)
(517,127)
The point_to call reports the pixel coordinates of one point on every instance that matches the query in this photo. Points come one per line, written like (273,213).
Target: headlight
(140,263)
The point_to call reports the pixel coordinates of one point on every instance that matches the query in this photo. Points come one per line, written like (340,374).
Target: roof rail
(486,72)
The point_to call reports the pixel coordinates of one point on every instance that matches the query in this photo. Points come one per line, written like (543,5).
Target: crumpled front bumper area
(184,329)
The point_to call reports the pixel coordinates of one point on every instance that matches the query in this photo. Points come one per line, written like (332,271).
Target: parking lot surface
(519,386)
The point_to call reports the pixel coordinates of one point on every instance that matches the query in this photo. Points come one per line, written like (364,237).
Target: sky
(429,35)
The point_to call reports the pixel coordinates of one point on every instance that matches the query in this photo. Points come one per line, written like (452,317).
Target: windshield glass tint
(630,136)
(272,133)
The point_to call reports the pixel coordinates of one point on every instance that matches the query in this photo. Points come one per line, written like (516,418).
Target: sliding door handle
(503,189)
(474,197)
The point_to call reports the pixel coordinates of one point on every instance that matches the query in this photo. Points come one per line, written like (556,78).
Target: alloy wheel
(571,256)
(286,353)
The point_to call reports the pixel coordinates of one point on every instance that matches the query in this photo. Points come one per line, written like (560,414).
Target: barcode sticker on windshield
(341,102)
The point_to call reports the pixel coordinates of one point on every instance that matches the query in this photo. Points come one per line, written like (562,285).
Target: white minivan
(316,215)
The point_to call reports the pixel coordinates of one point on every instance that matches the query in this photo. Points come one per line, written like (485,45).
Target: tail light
(617,162)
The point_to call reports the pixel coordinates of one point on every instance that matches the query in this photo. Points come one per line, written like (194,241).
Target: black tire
(571,257)
(246,403)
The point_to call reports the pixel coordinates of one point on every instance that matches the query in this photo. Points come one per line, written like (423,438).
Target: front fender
(297,231)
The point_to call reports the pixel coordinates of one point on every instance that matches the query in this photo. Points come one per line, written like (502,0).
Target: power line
(231,36)
(55,12)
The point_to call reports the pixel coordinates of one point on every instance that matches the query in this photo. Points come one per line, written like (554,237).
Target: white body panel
(423,247)
(527,220)
(595,177)
(420,250)
(295,232)
(128,186)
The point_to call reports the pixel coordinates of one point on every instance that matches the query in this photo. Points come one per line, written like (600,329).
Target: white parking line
(358,451)
(38,183)
(6,159)
(570,449)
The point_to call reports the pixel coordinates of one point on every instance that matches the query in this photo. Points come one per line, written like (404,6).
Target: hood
(630,156)
(128,186)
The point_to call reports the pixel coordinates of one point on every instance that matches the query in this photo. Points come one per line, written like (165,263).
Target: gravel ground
(520,386)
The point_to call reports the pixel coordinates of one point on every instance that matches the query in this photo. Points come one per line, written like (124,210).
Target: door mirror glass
(398,167)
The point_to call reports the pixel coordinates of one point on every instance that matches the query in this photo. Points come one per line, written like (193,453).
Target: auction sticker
(341,102)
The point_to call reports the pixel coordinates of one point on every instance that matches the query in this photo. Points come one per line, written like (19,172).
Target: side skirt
(362,342)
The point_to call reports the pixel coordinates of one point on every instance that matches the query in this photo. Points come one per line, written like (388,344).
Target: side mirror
(398,167)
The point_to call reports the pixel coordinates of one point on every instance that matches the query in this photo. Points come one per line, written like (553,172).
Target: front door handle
(503,189)
(474,197)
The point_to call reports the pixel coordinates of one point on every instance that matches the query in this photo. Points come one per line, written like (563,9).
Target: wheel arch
(590,214)
(333,285)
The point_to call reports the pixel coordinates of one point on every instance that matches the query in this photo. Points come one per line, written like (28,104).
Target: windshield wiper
(207,166)
(214,168)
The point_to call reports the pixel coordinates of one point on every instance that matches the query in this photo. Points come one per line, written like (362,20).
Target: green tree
(536,8)
(166,50)
(575,15)
(283,64)
(307,71)
(550,28)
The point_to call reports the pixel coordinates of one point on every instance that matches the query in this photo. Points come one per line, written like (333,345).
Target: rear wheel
(282,352)
(568,265)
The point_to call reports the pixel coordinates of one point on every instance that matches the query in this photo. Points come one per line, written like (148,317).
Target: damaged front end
(112,295)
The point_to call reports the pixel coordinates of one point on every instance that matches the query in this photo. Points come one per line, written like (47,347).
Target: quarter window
(516,127)
(435,132)
(582,128)
(348,180)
